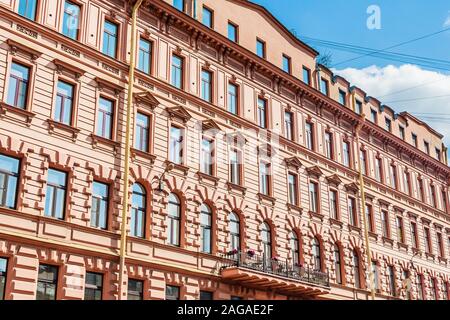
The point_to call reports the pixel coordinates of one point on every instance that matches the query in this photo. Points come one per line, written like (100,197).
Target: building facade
(244,179)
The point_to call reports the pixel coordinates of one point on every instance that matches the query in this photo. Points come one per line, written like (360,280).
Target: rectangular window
(110,34)
(433,195)
(27,9)
(9,176)
(179,4)
(414,235)
(358,107)
(329,145)
(363,158)
(135,289)
(346,153)
(324,86)
(421,189)
(293,189)
(286,64)
(233,98)
(64,103)
(427,238)
(373,116)
(314,197)
(342,97)
(378,169)
(289,125)
(232,32)
(426,147)
(105,118)
(145,56)
(172,293)
(264,178)
(99,209)
(438,154)
(334,204)
(420,287)
(393,176)
(208,17)
(71,20)
(385,224)
(309,127)
(18,85)
(177,72)
(207,157)
(142,132)
(401,131)
(176,145)
(407,182)
(414,140)
(440,244)
(369,218)
(376,280)
(444,201)
(235,167)
(434,289)
(55,197)
(262,113)
(391,280)
(307,76)
(353,216)
(206,295)
(400,231)
(3,271)
(206,86)
(388,123)
(93,288)
(47,282)
(261,48)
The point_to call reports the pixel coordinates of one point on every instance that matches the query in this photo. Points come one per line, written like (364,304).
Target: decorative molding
(179,112)
(334,180)
(314,171)
(17,46)
(146,99)
(293,162)
(16,113)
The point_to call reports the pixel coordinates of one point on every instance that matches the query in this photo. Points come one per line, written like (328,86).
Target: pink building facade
(244,180)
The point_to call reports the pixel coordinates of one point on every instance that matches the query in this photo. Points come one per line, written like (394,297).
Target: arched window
(205,226)
(357,269)
(138,209)
(317,261)
(235,234)
(266,237)
(338,263)
(173,224)
(295,248)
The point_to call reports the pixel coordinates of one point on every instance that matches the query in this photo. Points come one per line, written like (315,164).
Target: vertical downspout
(123,231)
(363,203)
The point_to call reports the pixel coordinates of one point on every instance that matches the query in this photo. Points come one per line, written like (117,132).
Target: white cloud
(391,84)
(447,21)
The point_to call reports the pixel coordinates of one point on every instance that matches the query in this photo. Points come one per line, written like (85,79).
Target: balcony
(254,270)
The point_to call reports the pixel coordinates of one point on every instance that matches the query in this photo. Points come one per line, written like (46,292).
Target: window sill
(142,156)
(208,179)
(265,199)
(442,260)
(336,222)
(16,114)
(354,229)
(236,188)
(316,215)
(429,256)
(294,208)
(61,129)
(176,168)
(104,143)
(373,236)
(388,241)
(402,246)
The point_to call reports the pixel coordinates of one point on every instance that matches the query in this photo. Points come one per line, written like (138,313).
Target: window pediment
(334,180)
(236,138)
(353,187)
(65,66)
(267,150)
(293,162)
(14,47)
(102,84)
(210,125)
(146,99)
(314,171)
(179,112)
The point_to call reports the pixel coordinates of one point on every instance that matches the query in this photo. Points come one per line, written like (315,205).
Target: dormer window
(179,4)
(233,32)
(342,97)
(388,123)
(358,107)
(208,17)
(261,48)
(324,86)
(27,9)
(286,64)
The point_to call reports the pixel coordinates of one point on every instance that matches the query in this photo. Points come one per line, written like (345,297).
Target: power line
(418,99)
(414,87)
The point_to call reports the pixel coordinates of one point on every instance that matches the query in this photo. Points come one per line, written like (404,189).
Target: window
(71,20)
(393,176)
(358,107)
(334,205)
(9,176)
(233,98)
(235,231)
(314,197)
(400,231)
(135,289)
(353,216)
(385,224)
(207,156)
(145,56)
(433,195)
(99,209)
(391,280)
(55,197)
(262,113)
(174,217)
(379,169)
(232,32)
(309,127)
(346,153)
(438,154)
(289,125)
(293,189)
(316,254)
(105,118)
(208,17)
(179,4)
(172,293)
(376,280)
(27,9)
(236,298)
(373,115)
(206,295)
(206,86)
(388,123)
(407,182)
(110,34)
(402,132)
(176,145)
(414,139)
(47,282)
(427,239)
(337,264)
(369,217)
(264,178)
(426,146)
(205,226)
(434,289)
(235,167)
(64,103)
(306,76)
(177,72)
(93,288)
(444,200)
(286,64)
(421,189)
(18,85)
(407,280)
(414,236)
(142,132)
(138,211)
(329,146)
(440,244)
(420,287)
(295,248)
(342,97)
(324,86)
(261,48)
(363,157)
(3,271)
(266,237)
(356,269)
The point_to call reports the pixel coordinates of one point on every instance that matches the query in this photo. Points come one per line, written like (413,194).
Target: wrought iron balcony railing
(275,267)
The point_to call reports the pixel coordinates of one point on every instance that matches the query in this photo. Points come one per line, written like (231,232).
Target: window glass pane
(179,4)
(177,72)
(176,145)
(145,54)
(232,32)
(64,101)
(18,85)
(135,289)
(206,90)
(207,17)
(306,76)
(47,282)
(142,132)
(232,98)
(172,293)
(99,209)
(324,86)
(105,118)
(27,9)
(3,270)
(260,48)
(110,39)
(71,20)
(93,286)
(206,295)
(286,64)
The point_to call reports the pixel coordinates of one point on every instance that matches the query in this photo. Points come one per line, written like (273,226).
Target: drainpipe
(123,231)
(363,203)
